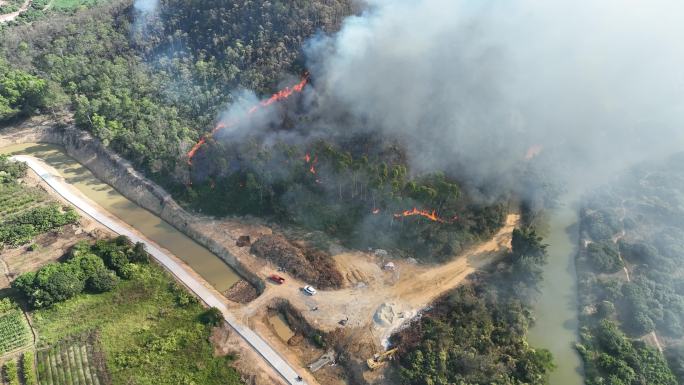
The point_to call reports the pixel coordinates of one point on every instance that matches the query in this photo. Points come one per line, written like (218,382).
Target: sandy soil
(406,290)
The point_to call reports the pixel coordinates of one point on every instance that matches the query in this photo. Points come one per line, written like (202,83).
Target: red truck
(276,279)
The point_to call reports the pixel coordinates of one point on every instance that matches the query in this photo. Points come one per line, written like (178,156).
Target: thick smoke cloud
(473,84)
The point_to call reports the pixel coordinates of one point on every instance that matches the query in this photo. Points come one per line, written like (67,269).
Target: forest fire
(312,168)
(423,213)
(278,96)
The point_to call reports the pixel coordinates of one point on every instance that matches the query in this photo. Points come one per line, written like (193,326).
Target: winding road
(288,373)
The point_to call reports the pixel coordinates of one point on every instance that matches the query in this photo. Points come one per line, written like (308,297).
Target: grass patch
(146,333)
(69,5)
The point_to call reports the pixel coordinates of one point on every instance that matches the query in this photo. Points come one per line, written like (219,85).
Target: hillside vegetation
(477,334)
(150,85)
(636,227)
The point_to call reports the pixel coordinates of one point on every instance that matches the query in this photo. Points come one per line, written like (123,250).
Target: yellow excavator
(379,360)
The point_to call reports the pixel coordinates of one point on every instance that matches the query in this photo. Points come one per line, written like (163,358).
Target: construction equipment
(381,359)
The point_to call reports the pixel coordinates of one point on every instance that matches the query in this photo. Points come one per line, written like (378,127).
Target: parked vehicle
(309,290)
(275,278)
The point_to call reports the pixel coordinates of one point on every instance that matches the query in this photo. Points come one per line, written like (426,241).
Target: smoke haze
(146,6)
(472,85)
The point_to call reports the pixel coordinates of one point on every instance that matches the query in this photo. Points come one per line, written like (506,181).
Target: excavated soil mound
(308,264)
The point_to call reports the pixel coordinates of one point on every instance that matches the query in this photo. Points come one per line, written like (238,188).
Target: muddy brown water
(202,261)
(556,310)
(282,328)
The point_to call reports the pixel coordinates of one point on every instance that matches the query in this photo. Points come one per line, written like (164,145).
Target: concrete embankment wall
(121,175)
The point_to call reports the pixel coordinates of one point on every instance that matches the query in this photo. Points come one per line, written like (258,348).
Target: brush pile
(307,264)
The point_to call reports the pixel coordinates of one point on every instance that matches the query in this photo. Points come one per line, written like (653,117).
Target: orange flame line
(426,214)
(278,96)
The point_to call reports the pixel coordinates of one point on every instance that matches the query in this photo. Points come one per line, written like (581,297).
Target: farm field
(27,211)
(148,329)
(16,199)
(77,361)
(14,331)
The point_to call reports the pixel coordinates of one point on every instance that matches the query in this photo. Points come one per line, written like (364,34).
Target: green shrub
(622,361)
(10,171)
(212,317)
(11,373)
(86,268)
(604,257)
(20,92)
(6,304)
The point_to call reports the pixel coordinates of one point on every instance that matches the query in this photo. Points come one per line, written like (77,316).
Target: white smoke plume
(473,84)
(146,6)
(144,14)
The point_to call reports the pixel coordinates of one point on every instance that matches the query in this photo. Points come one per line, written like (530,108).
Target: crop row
(71,364)
(12,214)
(18,203)
(14,200)
(14,331)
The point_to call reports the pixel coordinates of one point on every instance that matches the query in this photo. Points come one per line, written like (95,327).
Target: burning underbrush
(281,159)
(358,190)
(306,263)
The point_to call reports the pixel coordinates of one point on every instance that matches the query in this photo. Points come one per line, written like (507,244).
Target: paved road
(57,183)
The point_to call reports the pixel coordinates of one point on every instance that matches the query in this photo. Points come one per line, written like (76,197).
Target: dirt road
(11,16)
(170,262)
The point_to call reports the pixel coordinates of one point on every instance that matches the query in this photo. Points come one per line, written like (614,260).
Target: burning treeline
(276,97)
(356,187)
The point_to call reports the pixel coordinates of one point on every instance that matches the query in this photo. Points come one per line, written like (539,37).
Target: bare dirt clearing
(402,292)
